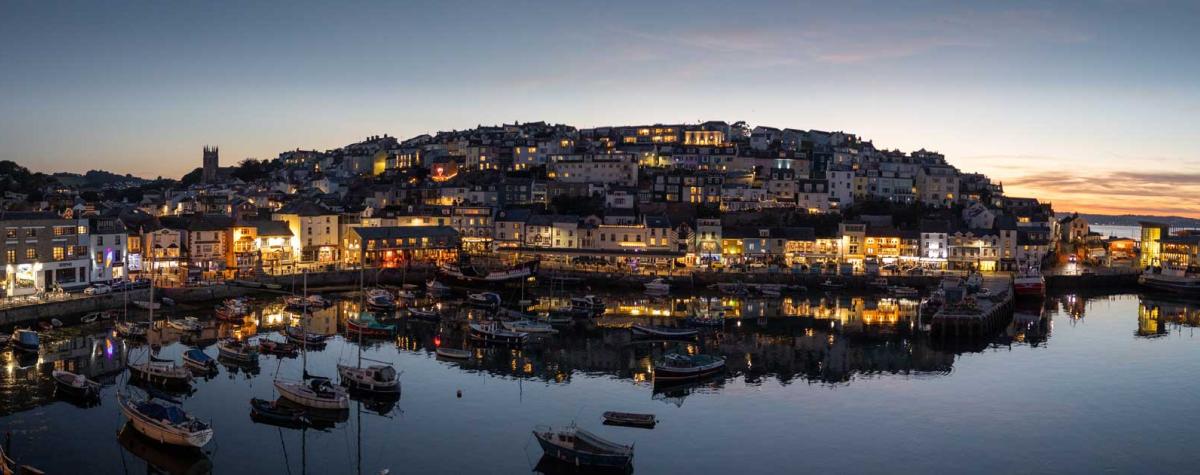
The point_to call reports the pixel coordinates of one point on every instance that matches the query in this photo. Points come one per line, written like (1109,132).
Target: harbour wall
(72,307)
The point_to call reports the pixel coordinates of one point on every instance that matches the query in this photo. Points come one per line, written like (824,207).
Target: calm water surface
(828,384)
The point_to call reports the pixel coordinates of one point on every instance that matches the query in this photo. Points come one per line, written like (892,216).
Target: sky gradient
(1094,105)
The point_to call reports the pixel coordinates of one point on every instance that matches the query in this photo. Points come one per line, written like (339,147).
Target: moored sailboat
(161,419)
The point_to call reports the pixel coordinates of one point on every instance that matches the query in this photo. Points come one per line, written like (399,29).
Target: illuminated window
(31,253)
(58,253)
(11,254)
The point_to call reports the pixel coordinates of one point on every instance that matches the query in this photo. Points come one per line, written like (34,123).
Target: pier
(976,315)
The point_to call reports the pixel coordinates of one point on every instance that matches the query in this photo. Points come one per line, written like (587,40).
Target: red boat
(1029,282)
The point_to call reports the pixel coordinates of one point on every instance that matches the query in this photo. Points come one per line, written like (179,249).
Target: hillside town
(646,199)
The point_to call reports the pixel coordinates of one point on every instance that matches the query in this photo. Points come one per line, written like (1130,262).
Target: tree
(193,177)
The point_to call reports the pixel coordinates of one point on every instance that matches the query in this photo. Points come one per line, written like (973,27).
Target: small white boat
(91,317)
(315,393)
(424,314)
(378,378)
(76,384)
(186,324)
(56,322)
(454,354)
(161,372)
(484,299)
(658,286)
(529,326)
(166,423)
(490,332)
(435,287)
(662,332)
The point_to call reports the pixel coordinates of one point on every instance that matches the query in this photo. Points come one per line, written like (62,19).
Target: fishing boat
(588,304)
(232,310)
(484,299)
(1029,282)
(476,275)
(272,347)
(491,332)
(380,299)
(528,326)
(676,366)
(630,419)
(297,335)
(186,324)
(26,340)
(1171,279)
(453,353)
(658,286)
(197,359)
(160,418)
(76,384)
(237,350)
(424,314)
(648,331)
(271,412)
(582,448)
(367,325)
(161,372)
(130,329)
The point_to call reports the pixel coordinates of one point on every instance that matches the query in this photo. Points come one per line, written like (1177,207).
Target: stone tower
(211,164)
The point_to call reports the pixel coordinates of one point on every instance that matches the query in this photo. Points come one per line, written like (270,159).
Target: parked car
(97,289)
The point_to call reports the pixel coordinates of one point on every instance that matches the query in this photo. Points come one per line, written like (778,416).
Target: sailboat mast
(304,329)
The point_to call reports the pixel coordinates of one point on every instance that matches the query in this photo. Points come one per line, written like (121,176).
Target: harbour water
(820,384)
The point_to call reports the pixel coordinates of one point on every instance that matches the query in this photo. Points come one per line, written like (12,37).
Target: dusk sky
(1092,105)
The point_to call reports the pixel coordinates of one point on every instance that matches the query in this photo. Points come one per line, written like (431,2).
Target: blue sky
(1094,105)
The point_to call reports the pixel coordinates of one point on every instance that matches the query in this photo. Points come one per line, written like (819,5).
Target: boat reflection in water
(162,458)
(769,345)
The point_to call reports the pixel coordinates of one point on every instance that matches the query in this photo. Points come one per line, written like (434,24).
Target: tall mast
(304,328)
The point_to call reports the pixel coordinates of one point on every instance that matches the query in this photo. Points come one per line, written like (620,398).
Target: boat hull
(649,332)
(299,393)
(1187,286)
(666,373)
(162,433)
(581,458)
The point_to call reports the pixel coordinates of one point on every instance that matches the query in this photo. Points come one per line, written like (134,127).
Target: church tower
(211,164)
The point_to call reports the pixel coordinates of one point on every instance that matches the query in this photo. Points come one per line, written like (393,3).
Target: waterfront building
(107,240)
(44,252)
(316,227)
(402,246)
(1152,234)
